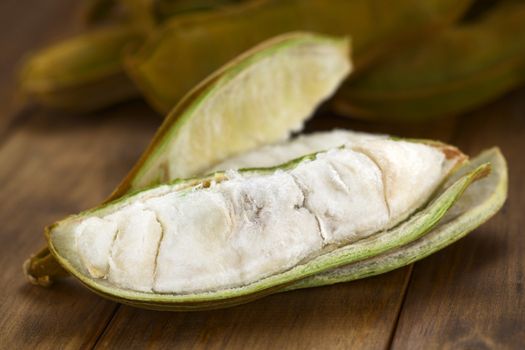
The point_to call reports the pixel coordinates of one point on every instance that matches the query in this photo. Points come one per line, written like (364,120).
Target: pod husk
(44,267)
(83,73)
(459,69)
(344,274)
(189,48)
(479,203)
(145,173)
(456,209)
(415,227)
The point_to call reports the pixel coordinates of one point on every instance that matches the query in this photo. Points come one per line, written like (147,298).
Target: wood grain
(471,295)
(468,296)
(26,26)
(51,167)
(358,315)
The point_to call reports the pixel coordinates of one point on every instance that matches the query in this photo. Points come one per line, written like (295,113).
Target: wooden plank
(23,28)
(356,315)
(361,314)
(471,294)
(53,166)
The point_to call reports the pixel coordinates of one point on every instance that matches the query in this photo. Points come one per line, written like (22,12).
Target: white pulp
(253,225)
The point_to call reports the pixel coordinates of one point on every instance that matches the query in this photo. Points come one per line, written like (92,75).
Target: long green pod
(461,68)
(61,240)
(479,203)
(189,48)
(292,73)
(82,73)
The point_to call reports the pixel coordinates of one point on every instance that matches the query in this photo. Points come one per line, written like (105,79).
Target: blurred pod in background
(186,49)
(165,9)
(461,68)
(188,43)
(100,11)
(83,73)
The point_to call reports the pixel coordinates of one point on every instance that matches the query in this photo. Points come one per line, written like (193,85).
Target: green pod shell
(461,68)
(182,147)
(179,142)
(189,48)
(419,224)
(479,203)
(490,206)
(83,73)
(43,267)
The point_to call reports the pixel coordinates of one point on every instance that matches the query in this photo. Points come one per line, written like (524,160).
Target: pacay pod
(300,212)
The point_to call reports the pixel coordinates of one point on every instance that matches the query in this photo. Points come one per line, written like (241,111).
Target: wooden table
(470,295)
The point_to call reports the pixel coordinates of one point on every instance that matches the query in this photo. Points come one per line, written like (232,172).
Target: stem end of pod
(42,269)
